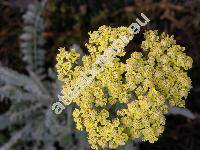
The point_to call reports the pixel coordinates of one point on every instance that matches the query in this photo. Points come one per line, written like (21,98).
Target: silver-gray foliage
(31,40)
(30,111)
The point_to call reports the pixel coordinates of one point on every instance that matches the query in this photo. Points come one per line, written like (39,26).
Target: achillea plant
(126,101)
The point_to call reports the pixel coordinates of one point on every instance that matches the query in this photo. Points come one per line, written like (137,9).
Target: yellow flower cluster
(127,100)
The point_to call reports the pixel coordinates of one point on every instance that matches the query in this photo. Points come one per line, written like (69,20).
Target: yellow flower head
(125,101)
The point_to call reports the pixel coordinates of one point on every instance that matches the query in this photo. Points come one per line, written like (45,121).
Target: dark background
(67,22)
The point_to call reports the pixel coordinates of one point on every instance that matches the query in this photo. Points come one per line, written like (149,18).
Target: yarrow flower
(126,101)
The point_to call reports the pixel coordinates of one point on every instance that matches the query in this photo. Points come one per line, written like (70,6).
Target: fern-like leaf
(32,40)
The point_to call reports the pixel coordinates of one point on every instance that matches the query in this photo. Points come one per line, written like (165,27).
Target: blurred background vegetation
(31,31)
